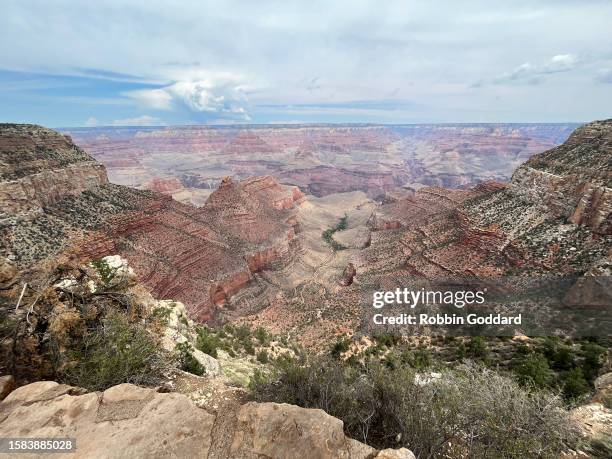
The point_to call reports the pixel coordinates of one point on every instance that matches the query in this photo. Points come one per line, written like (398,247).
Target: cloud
(604,76)
(91,122)
(221,96)
(152,57)
(560,63)
(157,99)
(144,120)
(533,74)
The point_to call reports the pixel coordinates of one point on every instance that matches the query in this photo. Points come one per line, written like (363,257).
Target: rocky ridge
(144,423)
(200,256)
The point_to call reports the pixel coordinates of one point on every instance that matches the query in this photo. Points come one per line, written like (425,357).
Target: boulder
(285,431)
(123,421)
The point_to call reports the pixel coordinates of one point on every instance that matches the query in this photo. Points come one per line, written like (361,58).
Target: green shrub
(477,347)
(328,234)
(207,341)
(386,339)
(242,333)
(248,348)
(262,336)
(340,346)
(534,370)
(262,356)
(574,384)
(116,352)
(469,412)
(187,361)
(593,354)
(461,351)
(106,273)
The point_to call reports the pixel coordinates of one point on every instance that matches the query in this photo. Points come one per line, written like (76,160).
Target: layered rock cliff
(320,159)
(574,180)
(56,199)
(38,167)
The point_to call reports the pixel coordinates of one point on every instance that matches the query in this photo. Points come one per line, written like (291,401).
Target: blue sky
(135,62)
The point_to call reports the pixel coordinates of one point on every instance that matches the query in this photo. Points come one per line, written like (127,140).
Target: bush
(116,352)
(187,361)
(574,383)
(477,347)
(262,336)
(592,360)
(340,347)
(262,356)
(207,341)
(534,370)
(471,411)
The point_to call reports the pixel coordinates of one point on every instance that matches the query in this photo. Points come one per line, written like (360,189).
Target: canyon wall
(38,167)
(187,162)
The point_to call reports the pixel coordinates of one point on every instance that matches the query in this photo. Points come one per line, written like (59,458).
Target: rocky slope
(128,420)
(552,219)
(320,159)
(39,167)
(59,200)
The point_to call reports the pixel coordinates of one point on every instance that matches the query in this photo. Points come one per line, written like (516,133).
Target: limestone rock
(593,419)
(123,421)
(180,329)
(401,453)
(286,431)
(603,390)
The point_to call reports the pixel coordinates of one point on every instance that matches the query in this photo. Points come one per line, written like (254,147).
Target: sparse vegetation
(118,351)
(187,361)
(468,411)
(328,234)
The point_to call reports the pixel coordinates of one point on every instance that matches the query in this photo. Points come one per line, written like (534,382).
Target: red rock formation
(165,185)
(31,179)
(322,159)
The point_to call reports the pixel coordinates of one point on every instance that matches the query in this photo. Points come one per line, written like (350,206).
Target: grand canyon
(253,249)
(189,162)
(287,231)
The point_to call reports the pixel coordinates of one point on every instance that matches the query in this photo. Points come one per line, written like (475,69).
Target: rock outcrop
(574,180)
(122,421)
(131,421)
(38,167)
(200,256)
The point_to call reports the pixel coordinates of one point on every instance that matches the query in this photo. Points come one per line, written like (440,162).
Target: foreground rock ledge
(131,421)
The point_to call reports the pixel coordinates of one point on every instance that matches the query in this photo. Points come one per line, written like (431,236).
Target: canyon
(189,162)
(253,251)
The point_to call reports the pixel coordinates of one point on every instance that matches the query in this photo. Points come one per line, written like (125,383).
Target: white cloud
(533,74)
(91,122)
(157,99)
(220,96)
(144,120)
(560,63)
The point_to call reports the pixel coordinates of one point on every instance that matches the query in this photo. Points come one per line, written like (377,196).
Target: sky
(68,63)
